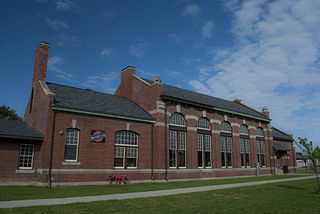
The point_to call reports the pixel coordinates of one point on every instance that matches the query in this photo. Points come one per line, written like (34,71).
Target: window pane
(200,164)
(182,158)
(172,158)
(222,144)
(247,159)
(70,152)
(207,142)
(242,159)
(241,145)
(71,144)
(208,159)
(243,130)
(26,156)
(225,127)
(177,119)
(200,142)
(223,161)
(229,159)
(203,123)
(126,138)
(259,132)
(182,141)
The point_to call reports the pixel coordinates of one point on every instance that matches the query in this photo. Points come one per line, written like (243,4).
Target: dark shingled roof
(279,135)
(91,101)
(206,100)
(279,147)
(18,129)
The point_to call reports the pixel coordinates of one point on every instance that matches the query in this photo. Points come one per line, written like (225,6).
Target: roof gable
(279,135)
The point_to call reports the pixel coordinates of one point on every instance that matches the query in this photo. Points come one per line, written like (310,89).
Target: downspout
(152,176)
(51,148)
(165,143)
(293,158)
(271,154)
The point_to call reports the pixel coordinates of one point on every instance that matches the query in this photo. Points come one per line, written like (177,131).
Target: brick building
(146,130)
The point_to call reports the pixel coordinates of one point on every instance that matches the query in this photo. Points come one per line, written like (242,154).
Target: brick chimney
(265,112)
(41,62)
(238,101)
(125,87)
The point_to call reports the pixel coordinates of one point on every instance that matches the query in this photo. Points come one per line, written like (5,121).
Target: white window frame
(77,150)
(32,157)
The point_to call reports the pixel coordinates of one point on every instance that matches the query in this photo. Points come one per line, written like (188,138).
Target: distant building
(147,130)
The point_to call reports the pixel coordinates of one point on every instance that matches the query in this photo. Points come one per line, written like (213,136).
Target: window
(177,149)
(225,127)
(204,150)
(71,145)
(177,119)
(177,141)
(244,146)
(203,123)
(226,145)
(204,143)
(26,156)
(126,149)
(259,132)
(226,151)
(261,152)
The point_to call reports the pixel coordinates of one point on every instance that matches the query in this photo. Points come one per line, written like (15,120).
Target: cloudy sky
(263,52)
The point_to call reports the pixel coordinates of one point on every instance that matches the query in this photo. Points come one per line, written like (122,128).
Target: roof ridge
(281,131)
(250,108)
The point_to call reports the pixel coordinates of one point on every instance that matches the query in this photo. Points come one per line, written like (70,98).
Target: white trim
(225,117)
(46,89)
(141,80)
(74,124)
(25,171)
(192,128)
(32,157)
(204,113)
(270,138)
(235,134)
(70,163)
(191,117)
(215,121)
(215,132)
(156,111)
(244,121)
(178,108)
(235,124)
(252,127)
(159,124)
(259,124)
(160,105)
(128,126)
(253,136)
(265,129)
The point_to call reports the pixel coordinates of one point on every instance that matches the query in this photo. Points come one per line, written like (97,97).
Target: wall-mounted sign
(98,136)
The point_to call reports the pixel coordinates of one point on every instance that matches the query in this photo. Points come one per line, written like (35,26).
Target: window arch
(71,145)
(126,149)
(203,123)
(243,130)
(259,132)
(177,119)
(225,127)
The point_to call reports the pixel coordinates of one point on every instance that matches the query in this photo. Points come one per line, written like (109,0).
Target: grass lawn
(8,193)
(307,171)
(287,197)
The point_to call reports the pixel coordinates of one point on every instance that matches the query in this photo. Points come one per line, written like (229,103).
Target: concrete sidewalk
(57,201)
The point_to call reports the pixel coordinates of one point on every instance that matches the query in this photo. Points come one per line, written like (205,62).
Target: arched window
(225,127)
(204,143)
(226,144)
(177,141)
(260,147)
(71,145)
(259,132)
(126,149)
(203,123)
(243,130)
(177,119)
(244,146)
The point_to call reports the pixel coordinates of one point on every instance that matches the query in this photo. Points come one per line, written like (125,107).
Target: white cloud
(275,62)
(207,29)
(140,49)
(175,38)
(107,52)
(191,10)
(55,64)
(65,5)
(107,14)
(57,25)
(101,82)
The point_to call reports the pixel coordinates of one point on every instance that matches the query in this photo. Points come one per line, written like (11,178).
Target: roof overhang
(166,97)
(22,137)
(279,147)
(102,114)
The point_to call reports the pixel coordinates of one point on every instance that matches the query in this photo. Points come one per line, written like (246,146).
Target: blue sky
(263,52)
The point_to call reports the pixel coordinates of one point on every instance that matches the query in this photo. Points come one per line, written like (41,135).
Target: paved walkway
(57,201)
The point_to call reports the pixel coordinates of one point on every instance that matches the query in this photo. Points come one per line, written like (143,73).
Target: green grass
(287,197)
(306,171)
(8,193)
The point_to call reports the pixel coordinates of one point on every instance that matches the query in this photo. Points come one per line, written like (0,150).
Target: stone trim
(235,124)
(215,132)
(159,124)
(145,82)
(215,121)
(191,117)
(192,128)
(236,134)
(253,136)
(156,111)
(46,89)
(25,171)
(65,163)
(252,127)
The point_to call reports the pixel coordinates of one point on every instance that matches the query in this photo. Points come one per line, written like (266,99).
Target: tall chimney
(265,112)
(41,62)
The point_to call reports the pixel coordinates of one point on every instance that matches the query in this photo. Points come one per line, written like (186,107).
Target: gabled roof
(279,135)
(279,147)
(18,129)
(86,100)
(183,95)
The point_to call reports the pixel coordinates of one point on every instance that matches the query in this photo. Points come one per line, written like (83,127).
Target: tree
(8,114)
(313,154)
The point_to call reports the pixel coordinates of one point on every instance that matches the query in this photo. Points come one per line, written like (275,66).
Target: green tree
(8,114)
(313,154)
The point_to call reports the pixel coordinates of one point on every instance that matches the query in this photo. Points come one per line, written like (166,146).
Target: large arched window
(244,146)
(177,141)
(204,143)
(177,119)
(126,149)
(226,144)
(71,145)
(260,147)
